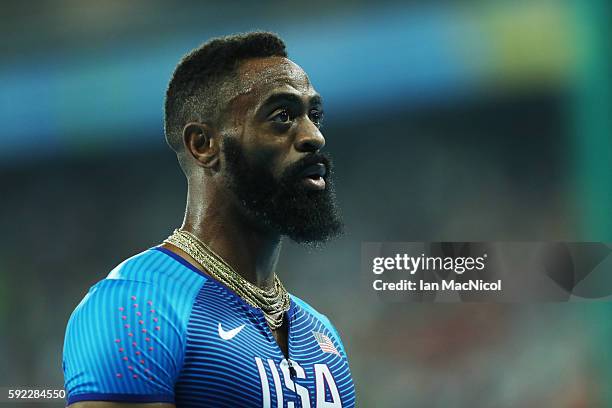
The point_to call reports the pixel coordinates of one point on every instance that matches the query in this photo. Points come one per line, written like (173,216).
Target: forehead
(258,77)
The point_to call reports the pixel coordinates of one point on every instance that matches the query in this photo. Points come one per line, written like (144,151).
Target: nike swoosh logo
(229,334)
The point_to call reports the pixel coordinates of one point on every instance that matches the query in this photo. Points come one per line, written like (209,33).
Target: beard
(285,205)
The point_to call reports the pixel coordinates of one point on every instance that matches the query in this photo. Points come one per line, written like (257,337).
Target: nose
(309,138)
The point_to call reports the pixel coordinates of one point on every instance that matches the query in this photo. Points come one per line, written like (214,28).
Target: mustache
(294,171)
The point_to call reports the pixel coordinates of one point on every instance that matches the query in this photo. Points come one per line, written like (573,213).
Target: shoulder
(127,335)
(150,280)
(157,266)
(323,319)
(306,307)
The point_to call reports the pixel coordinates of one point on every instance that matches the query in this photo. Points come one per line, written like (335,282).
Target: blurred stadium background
(448,121)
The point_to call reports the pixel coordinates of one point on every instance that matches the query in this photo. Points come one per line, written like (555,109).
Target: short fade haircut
(194,89)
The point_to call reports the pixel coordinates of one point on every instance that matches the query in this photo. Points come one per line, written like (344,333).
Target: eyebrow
(291,98)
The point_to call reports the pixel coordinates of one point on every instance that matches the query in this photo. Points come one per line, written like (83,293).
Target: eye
(316,116)
(281,117)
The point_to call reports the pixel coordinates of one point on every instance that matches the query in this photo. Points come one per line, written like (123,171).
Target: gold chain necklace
(274,302)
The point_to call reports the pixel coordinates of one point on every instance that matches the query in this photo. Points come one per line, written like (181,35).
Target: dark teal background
(448,121)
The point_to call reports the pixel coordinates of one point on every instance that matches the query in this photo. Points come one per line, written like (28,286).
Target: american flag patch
(325,343)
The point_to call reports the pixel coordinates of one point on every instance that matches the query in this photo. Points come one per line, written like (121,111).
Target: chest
(233,359)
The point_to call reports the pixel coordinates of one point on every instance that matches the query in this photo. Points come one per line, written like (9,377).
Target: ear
(202,143)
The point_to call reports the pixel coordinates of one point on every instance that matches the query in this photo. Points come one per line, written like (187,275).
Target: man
(202,320)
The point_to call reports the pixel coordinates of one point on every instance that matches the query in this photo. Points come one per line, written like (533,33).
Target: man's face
(272,152)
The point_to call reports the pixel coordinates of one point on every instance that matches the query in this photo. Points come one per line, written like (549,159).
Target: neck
(249,251)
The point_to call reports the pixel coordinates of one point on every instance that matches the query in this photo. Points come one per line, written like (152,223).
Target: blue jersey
(158,330)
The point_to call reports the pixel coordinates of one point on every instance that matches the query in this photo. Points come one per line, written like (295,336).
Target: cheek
(269,154)
(274,165)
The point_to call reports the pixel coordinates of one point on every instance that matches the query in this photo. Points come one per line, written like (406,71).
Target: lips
(313,176)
